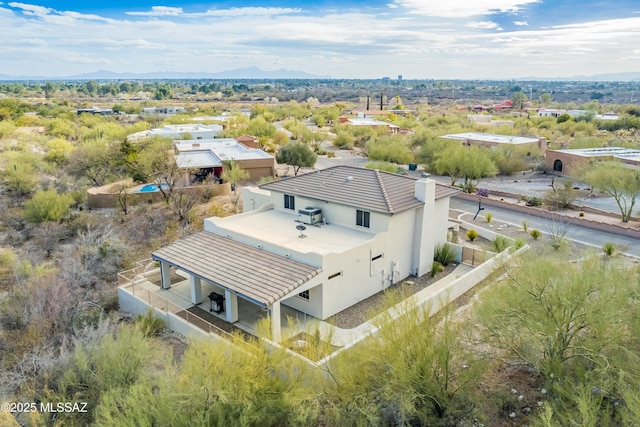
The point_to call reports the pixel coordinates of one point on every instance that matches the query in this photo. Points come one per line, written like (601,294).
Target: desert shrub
(608,248)
(6,128)
(343,139)
(489,216)
(483,192)
(472,234)
(535,233)
(500,243)
(382,166)
(533,201)
(518,243)
(444,254)
(525,226)
(47,205)
(436,268)
(149,324)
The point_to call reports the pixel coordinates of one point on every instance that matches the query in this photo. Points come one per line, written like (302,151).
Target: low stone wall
(541,213)
(107,195)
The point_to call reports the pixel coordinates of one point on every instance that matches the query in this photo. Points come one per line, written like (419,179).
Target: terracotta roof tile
(251,272)
(358,187)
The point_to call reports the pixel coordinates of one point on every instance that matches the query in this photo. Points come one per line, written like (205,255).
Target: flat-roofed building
(208,156)
(195,131)
(372,123)
(493,140)
(567,161)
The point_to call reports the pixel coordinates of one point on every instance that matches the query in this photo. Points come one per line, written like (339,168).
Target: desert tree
(618,181)
(233,173)
(559,318)
(296,154)
(470,163)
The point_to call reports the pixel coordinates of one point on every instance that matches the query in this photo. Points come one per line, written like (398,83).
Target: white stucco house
(164,110)
(317,243)
(195,131)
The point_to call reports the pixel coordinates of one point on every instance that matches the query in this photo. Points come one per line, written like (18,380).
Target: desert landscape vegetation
(551,338)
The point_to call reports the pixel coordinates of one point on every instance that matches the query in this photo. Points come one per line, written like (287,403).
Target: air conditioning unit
(310,215)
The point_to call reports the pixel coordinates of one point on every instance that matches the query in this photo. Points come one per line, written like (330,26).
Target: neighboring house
(372,123)
(208,155)
(610,115)
(374,114)
(504,105)
(493,140)
(566,161)
(164,110)
(96,111)
(317,243)
(196,131)
(551,112)
(487,120)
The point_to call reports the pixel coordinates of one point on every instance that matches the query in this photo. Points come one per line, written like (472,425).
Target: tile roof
(368,189)
(256,274)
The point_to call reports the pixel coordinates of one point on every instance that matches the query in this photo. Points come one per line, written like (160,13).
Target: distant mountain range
(610,77)
(240,73)
(258,73)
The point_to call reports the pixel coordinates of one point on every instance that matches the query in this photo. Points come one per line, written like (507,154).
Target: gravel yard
(370,307)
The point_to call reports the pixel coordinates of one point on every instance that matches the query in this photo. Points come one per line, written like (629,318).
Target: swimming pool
(150,188)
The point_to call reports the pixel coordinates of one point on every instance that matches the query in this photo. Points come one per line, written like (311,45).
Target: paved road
(574,231)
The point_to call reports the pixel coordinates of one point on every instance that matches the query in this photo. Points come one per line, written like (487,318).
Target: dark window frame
(304,295)
(290,202)
(363,218)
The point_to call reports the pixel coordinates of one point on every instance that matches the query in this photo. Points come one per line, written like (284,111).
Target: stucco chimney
(425,190)
(424,239)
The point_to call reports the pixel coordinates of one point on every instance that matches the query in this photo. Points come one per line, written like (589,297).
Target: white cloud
(389,5)
(90,17)
(30,9)
(251,11)
(521,23)
(486,25)
(382,42)
(159,11)
(463,8)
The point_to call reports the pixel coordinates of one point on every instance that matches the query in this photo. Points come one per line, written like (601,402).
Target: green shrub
(436,268)
(525,226)
(382,166)
(47,205)
(609,248)
(535,233)
(500,243)
(149,324)
(472,234)
(533,201)
(489,216)
(518,243)
(444,254)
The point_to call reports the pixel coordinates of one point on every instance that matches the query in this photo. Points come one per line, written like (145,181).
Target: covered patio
(240,281)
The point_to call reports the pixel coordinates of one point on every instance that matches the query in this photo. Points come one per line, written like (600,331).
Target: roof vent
(349,178)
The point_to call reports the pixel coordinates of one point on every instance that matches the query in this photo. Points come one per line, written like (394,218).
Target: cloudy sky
(441,39)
